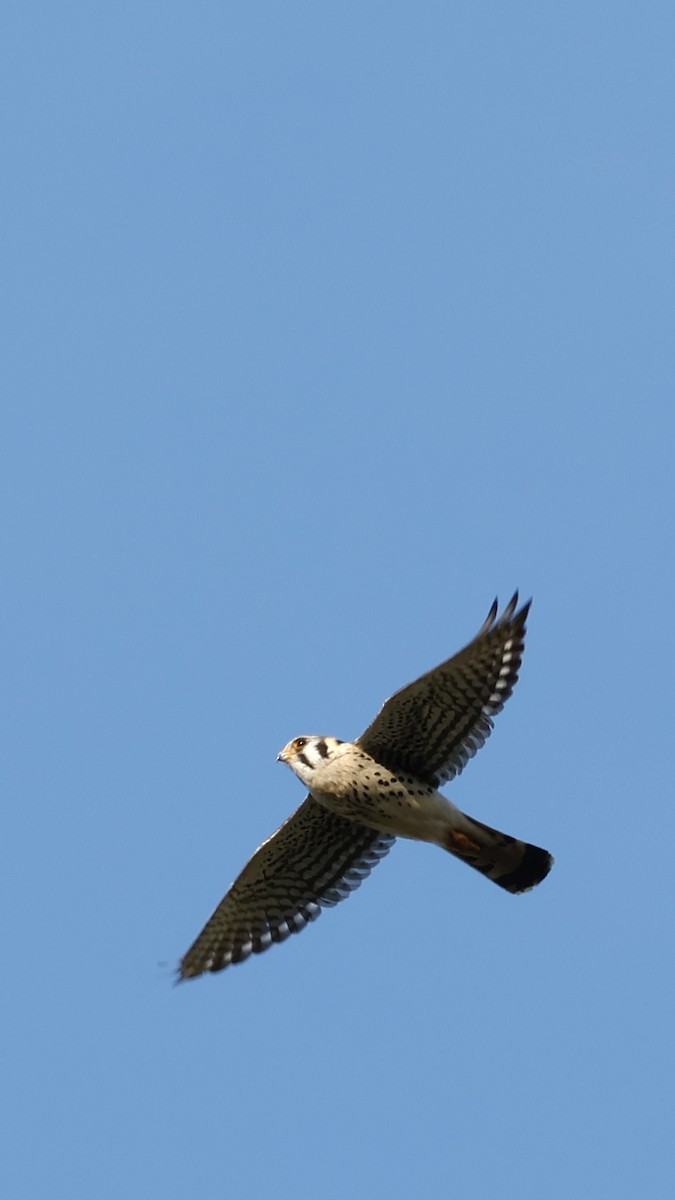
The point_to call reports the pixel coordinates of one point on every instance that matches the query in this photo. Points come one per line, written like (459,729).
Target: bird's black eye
(299,743)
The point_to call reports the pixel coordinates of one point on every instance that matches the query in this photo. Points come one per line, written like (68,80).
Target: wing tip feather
(510,613)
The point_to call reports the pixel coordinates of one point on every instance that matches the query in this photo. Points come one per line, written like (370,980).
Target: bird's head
(307,755)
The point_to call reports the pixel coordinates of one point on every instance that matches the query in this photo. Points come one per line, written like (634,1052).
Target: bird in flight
(362,795)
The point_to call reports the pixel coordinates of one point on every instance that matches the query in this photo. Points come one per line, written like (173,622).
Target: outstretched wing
(432,727)
(313,861)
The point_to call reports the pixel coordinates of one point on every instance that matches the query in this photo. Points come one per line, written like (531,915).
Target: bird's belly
(398,804)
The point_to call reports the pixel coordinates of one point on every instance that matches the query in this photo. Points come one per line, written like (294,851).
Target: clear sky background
(322,324)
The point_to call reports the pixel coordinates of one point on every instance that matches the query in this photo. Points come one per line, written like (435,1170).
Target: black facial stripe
(322,747)
(304,759)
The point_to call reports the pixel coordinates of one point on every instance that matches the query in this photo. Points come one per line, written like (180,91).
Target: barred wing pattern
(432,727)
(314,860)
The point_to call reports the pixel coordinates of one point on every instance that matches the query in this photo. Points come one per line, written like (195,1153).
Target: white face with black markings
(306,756)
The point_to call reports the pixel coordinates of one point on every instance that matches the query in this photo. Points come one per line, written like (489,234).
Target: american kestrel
(365,794)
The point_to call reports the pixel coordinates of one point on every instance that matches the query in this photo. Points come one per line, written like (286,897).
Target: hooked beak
(283,755)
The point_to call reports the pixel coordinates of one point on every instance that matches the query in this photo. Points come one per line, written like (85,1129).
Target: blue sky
(322,324)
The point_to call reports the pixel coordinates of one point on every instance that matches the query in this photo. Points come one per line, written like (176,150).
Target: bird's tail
(514,865)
